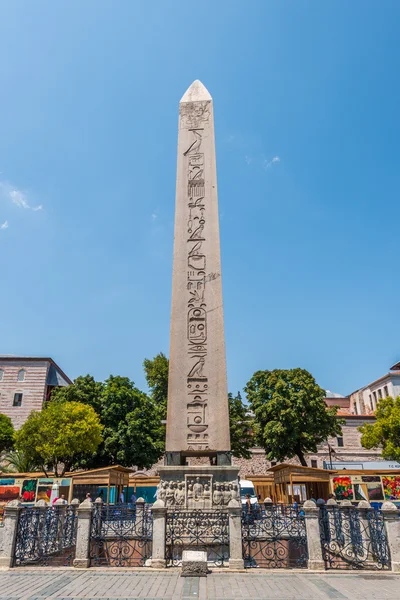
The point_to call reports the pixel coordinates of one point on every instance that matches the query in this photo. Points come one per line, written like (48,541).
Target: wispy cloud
(154,215)
(269,163)
(19,199)
(248,159)
(4,225)
(17,196)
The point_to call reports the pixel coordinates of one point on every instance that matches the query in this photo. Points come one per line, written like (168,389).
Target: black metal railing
(353,538)
(121,535)
(274,536)
(206,530)
(46,536)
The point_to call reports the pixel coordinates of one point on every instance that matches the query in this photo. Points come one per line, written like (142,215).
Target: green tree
(56,435)
(6,433)
(17,462)
(84,389)
(156,372)
(241,427)
(133,432)
(385,432)
(290,413)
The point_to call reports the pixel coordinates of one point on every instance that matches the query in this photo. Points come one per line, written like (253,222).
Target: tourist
(122,497)
(89,497)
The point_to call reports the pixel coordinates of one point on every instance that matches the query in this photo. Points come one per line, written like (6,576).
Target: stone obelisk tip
(196,93)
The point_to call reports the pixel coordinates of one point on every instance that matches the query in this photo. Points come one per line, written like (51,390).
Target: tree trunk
(301,458)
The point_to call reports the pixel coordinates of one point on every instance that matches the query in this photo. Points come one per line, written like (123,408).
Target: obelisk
(198,418)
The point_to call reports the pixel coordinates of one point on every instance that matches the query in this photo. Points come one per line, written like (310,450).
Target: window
(370,402)
(314,463)
(21,375)
(355,408)
(273,463)
(385,390)
(380,393)
(1,374)
(340,442)
(375,398)
(17,399)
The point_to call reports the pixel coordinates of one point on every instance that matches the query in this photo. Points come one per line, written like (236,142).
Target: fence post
(140,524)
(315,558)
(159,523)
(235,535)
(8,535)
(392,525)
(82,559)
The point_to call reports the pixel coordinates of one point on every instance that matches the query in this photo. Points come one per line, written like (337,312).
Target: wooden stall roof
(365,472)
(114,475)
(286,473)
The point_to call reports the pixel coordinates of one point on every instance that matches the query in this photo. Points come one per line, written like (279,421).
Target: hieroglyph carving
(194,117)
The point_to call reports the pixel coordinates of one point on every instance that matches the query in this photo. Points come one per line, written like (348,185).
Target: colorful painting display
(9,492)
(391,487)
(342,488)
(44,492)
(28,491)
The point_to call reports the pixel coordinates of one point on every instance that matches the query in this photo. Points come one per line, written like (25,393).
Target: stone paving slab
(120,584)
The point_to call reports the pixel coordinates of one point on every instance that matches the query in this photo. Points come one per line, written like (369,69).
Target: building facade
(25,384)
(366,399)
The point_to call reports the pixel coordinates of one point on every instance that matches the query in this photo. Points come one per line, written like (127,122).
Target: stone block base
(158,563)
(316,565)
(396,567)
(5,562)
(236,563)
(81,563)
(194,568)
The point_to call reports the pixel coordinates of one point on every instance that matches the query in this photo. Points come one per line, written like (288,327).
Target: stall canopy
(296,483)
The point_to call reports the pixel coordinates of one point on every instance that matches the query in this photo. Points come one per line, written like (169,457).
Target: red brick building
(25,384)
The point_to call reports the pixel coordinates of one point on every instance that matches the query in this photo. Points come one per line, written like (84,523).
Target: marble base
(198,487)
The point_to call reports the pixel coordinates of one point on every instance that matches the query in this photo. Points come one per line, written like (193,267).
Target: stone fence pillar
(140,516)
(8,533)
(159,525)
(392,524)
(235,535)
(315,557)
(82,556)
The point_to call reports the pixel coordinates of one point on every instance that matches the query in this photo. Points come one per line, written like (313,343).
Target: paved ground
(95,584)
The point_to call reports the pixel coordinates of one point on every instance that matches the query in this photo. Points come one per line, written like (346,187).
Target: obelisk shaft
(198,418)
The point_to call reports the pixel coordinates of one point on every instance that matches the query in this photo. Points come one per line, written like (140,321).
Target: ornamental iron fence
(274,536)
(206,530)
(353,538)
(46,536)
(121,535)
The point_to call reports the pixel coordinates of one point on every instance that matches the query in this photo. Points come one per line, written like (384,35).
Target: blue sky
(310,241)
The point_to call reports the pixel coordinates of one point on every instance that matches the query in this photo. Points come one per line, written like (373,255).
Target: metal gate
(274,536)
(46,536)
(353,538)
(121,535)
(206,530)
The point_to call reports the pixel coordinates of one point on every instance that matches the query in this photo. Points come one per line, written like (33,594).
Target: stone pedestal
(198,487)
(392,524)
(235,535)
(8,533)
(82,559)
(315,557)
(158,555)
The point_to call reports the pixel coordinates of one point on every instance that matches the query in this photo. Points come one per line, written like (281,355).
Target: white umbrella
(54,492)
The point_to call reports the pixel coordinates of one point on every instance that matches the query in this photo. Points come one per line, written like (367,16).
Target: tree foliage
(84,389)
(156,372)
(241,427)
(290,413)
(17,462)
(133,433)
(56,435)
(385,432)
(6,433)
